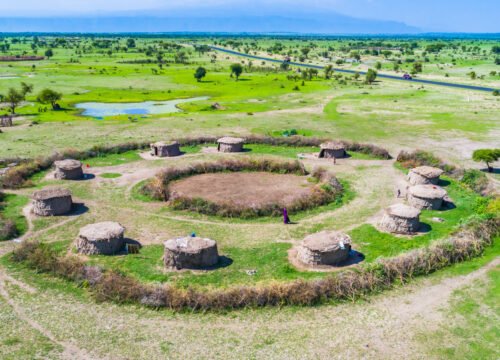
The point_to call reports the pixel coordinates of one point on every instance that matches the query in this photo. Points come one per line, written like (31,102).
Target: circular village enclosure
(209,215)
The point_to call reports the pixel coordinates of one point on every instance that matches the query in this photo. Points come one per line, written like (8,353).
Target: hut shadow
(443,183)
(355,257)
(447,205)
(128,241)
(424,228)
(78,209)
(223,262)
(87,176)
(245,150)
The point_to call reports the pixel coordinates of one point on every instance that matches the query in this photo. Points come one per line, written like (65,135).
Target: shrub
(18,175)
(417,158)
(475,180)
(158,187)
(8,229)
(468,242)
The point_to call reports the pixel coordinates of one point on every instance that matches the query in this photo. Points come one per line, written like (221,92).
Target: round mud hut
(424,175)
(230,144)
(68,169)
(52,202)
(163,149)
(104,238)
(324,248)
(400,219)
(332,149)
(190,253)
(429,197)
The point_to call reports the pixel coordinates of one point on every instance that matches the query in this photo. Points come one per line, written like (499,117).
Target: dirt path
(70,351)
(386,327)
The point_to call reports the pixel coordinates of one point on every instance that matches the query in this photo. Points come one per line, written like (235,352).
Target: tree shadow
(493,170)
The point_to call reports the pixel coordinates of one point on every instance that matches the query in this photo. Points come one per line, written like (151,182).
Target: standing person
(334,160)
(286,219)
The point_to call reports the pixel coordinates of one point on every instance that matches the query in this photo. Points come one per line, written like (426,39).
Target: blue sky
(428,15)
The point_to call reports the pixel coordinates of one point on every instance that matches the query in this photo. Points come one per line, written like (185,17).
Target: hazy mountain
(330,23)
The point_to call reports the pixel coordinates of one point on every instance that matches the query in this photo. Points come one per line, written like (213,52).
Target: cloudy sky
(428,15)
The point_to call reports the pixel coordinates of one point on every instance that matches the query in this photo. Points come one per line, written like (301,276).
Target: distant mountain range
(330,23)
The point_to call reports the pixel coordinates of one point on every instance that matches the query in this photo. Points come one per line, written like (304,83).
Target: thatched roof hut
(426,196)
(230,144)
(190,253)
(400,219)
(324,248)
(68,169)
(332,149)
(104,238)
(52,202)
(162,149)
(424,175)
(6,121)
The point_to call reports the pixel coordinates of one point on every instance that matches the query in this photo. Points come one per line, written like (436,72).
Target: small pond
(99,110)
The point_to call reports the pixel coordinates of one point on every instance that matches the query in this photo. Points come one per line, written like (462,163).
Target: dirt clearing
(249,189)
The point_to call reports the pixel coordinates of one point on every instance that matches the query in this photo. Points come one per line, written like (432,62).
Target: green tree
(181,57)
(417,68)
(200,73)
(305,51)
(49,53)
(13,99)
(236,70)
(130,43)
(26,88)
(371,75)
(328,71)
(378,65)
(48,96)
(486,155)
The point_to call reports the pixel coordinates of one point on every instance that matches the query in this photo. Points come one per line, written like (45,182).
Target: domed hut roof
(426,196)
(332,149)
(51,193)
(105,238)
(68,169)
(403,211)
(230,140)
(190,253)
(52,202)
(400,219)
(424,175)
(324,248)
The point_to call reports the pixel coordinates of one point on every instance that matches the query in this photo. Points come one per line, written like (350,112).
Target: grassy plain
(41,310)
